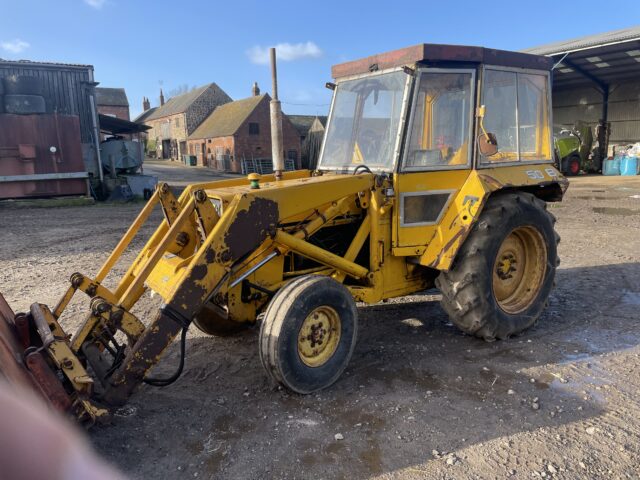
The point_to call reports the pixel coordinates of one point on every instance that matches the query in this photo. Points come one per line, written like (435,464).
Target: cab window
(440,130)
(517,113)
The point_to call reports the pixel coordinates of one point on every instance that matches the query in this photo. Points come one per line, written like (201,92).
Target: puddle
(630,298)
(616,211)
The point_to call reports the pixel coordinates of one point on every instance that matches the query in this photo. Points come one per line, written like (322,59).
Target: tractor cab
(437,117)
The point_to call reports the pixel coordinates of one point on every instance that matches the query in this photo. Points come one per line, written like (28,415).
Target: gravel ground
(419,399)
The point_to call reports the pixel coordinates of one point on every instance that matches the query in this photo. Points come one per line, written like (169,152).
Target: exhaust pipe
(276,121)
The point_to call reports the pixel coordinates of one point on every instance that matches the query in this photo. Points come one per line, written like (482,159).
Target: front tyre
(308,333)
(503,274)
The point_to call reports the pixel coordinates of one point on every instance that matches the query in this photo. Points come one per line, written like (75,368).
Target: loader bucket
(23,368)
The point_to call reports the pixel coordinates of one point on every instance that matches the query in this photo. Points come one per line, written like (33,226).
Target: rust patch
(251,227)
(491,182)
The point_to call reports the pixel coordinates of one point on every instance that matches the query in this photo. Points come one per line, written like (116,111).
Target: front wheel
(308,333)
(503,274)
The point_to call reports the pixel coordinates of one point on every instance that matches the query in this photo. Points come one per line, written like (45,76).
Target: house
(172,122)
(237,136)
(112,102)
(147,110)
(311,129)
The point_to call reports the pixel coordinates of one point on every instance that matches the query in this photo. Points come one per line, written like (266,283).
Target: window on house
(254,128)
(177,122)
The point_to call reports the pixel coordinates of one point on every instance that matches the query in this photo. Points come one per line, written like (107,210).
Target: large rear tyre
(308,333)
(503,274)
(213,320)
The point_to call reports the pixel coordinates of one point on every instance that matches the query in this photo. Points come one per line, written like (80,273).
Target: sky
(145,45)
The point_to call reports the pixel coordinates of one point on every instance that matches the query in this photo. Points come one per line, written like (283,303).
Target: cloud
(97,4)
(286,52)
(15,46)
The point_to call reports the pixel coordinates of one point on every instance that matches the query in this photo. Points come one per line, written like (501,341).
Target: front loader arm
(198,254)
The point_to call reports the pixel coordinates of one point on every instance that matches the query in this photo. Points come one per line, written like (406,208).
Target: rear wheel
(308,333)
(503,273)
(572,165)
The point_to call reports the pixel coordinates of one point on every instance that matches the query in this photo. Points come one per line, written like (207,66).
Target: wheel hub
(319,336)
(519,269)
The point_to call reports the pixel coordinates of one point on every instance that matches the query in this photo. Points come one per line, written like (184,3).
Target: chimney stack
(255,91)
(146,105)
(161,98)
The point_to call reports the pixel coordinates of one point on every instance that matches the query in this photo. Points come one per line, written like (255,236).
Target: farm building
(236,137)
(311,128)
(58,102)
(113,102)
(172,122)
(596,80)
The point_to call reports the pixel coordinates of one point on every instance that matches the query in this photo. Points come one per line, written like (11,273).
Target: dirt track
(419,399)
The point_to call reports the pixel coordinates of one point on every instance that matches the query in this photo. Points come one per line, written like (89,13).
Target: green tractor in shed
(573,149)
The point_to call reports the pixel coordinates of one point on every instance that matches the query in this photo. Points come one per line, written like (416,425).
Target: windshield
(364,122)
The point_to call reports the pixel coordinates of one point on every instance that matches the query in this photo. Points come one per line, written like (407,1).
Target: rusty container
(45,150)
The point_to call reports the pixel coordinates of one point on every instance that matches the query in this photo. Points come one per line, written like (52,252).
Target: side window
(439,135)
(517,113)
(533,117)
(499,99)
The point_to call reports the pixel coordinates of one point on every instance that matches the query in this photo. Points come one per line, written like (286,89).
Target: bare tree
(179,90)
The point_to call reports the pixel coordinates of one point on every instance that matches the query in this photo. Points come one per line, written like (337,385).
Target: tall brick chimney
(146,105)
(255,90)
(161,98)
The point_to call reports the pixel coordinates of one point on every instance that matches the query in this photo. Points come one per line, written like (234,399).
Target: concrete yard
(418,400)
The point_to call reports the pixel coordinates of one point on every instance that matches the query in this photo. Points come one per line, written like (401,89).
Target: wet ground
(419,399)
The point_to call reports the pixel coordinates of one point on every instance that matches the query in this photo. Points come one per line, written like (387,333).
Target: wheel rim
(574,166)
(319,336)
(519,269)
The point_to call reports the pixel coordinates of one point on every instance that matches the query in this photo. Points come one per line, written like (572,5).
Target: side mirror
(487,144)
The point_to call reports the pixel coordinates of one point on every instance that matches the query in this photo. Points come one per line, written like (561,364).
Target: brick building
(172,122)
(113,102)
(237,136)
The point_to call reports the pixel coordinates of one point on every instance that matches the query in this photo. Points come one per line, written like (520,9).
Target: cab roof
(430,52)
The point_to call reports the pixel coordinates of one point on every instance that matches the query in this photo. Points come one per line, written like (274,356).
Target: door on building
(166,149)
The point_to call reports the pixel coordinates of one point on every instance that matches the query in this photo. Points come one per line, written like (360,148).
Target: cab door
(437,155)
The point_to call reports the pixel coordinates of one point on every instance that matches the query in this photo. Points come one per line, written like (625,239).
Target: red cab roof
(429,52)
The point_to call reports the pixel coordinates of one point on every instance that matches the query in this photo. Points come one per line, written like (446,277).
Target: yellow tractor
(436,169)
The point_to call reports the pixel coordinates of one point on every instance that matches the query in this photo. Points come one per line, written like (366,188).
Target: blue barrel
(611,166)
(629,166)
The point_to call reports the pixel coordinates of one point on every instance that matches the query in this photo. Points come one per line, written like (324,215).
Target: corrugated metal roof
(144,115)
(113,97)
(575,44)
(46,64)
(227,119)
(181,103)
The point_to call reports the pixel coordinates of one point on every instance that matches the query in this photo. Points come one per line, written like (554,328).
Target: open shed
(596,80)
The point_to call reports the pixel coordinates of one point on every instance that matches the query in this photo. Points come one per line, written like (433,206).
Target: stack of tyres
(23,95)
